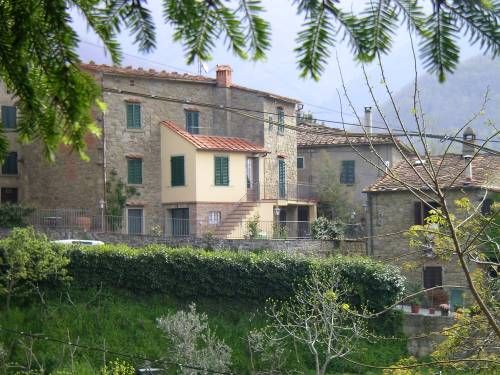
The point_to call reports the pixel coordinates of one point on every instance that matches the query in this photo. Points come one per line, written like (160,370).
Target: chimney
(224,76)
(469,139)
(368,120)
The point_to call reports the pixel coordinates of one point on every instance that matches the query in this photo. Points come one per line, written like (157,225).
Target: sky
(278,73)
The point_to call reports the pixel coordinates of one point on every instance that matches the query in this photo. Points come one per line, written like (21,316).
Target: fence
(82,220)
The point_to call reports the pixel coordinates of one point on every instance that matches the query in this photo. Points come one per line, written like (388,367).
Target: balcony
(290,192)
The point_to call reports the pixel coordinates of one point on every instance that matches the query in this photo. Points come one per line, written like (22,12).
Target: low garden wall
(423,332)
(295,246)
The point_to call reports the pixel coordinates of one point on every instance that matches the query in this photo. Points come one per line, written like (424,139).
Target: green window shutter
(177,177)
(192,122)
(221,171)
(281,120)
(348,172)
(134,171)
(9,166)
(133,115)
(9,117)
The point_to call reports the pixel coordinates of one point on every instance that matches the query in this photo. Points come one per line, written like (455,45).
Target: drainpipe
(370,230)
(103,151)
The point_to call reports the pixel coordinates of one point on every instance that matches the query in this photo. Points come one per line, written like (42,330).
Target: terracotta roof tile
(151,73)
(314,135)
(215,143)
(485,174)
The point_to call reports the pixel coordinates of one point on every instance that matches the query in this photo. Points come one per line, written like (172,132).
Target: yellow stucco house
(213,184)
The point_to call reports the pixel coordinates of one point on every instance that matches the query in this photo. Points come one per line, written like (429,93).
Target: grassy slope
(126,323)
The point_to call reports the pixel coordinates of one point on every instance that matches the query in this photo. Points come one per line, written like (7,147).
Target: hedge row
(184,272)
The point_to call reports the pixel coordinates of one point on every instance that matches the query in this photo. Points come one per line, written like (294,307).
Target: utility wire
(120,354)
(310,130)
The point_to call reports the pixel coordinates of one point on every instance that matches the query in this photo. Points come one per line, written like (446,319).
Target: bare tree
(319,317)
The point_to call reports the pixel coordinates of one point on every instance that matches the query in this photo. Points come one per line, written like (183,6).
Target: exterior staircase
(242,212)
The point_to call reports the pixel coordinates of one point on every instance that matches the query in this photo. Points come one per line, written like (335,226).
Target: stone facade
(390,215)
(72,183)
(364,173)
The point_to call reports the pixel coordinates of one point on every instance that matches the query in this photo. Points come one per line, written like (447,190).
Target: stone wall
(304,247)
(392,214)
(422,325)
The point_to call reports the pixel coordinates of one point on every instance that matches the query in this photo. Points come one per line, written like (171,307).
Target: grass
(123,322)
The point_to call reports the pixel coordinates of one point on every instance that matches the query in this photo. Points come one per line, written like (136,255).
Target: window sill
(10,130)
(131,130)
(9,175)
(135,185)
(177,186)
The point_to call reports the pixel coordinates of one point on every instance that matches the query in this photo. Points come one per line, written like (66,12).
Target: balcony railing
(291,192)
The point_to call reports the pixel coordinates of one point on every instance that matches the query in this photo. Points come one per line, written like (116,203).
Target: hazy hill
(449,105)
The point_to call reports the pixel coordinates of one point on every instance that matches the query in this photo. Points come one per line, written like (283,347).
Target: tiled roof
(152,73)
(313,135)
(214,143)
(485,174)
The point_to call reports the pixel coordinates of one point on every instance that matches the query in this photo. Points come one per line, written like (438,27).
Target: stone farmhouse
(392,208)
(318,145)
(194,148)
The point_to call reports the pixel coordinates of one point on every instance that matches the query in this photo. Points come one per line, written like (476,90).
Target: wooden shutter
(9,167)
(221,168)
(418,212)
(133,115)
(177,177)
(347,173)
(192,122)
(281,120)
(433,276)
(134,171)
(9,117)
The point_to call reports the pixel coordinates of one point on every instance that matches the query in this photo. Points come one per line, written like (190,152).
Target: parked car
(79,242)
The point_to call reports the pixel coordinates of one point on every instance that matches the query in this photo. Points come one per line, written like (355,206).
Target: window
(9,167)
(133,115)
(134,171)
(422,210)
(9,117)
(180,221)
(347,172)
(433,276)
(135,220)
(300,162)
(9,195)
(221,171)
(193,122)
(486,206)
(281,120)
(214,217)
(177,171)
(281,178)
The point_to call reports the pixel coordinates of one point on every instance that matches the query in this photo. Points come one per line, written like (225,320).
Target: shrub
(27,259)
(14,215)
(189,273)
(328,230)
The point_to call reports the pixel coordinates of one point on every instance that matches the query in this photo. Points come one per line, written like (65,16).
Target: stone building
(321,147)
(130,147)
(393,209)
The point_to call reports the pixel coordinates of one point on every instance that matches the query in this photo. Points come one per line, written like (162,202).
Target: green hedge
(183,272)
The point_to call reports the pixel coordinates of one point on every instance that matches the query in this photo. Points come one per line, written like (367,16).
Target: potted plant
(415,301)
(445,309)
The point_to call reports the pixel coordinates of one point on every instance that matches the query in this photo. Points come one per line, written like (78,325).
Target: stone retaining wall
(299,246)
(415,325)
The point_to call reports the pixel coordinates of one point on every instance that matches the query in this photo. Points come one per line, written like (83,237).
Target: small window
(347,172)
(281,120)
(221,171)
(9,117)
(300,162)
(133,115)
(486,207)
(433,276)
(9,195)
(422,211)
(214,217)
(192,122)
(177,177)
(134,171)
(9,167)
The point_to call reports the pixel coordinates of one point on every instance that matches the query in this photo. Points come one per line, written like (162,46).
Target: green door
(180,222)
(281,178)
(456,298)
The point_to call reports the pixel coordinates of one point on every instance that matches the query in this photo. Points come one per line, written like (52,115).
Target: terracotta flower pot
(431,311)
(415,309)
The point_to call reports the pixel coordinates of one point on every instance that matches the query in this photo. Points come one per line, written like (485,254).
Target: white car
(79,242)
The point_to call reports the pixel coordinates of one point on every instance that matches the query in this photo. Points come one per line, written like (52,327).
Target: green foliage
(188,273)
(253,227)
(327,230)
(14,215)
(118,367)
(27,259)
(117,193)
